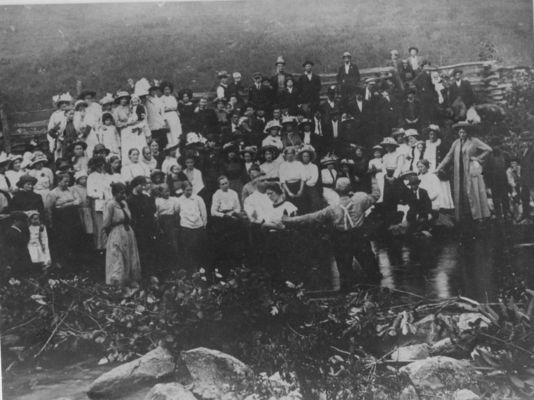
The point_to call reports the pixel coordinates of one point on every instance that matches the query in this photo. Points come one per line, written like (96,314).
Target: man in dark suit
(419,215)
(331,103)
(427,94)
(289,97)
(331,129)
(348,76)
(461,88)
(258,94)
(362,112)
(349,135)
(309,86)
(387,112)
(278,80)
(205,119)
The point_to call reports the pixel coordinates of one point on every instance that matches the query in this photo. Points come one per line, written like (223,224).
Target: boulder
(465,394)
(169,391)
(409,393)
(467,321)
(213,372)
(145,371)
(440,373)
(444,347)
(411,353)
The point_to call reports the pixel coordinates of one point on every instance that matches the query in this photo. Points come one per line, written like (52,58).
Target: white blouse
(431,183)
(132,170)
(291,171)
(311,174)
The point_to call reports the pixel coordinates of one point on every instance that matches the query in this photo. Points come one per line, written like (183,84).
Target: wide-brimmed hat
(305,121)
(429,67)
(107,99)
(194,138)
(347,161)
(347,54)
(230,147)
(79,103)
(62,98)
(222,74)
(15,157)
(307,149)
(431,128)
(329,159)
(398,131)
(171,147)
(80,143)
(462,124)
(273,149)
(411,132)
(377,148)
(307,62)
(38,158)
(272,124)
(100,147)
(253,150)
(80,174)
(26,179)
(280,60)
(389,141)
(287,119)
(155,84)
(84,93)
(122,94)
(4,158)
(288,149)
(141,87)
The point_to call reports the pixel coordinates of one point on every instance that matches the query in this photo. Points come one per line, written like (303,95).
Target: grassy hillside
(45,49)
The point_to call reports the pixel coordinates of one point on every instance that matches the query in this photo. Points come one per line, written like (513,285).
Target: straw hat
(378,148)
(389,141)
(411,132)
(80,103)
(62,98)
(122,94)
(141,87)
(462,124)
(273,149)
(80,174)
(329,159)
(272,124)
(307,149)
(347,54)
(280,60)
(107,99)
(253,150)
(4,158)
(398,131)
(37,159)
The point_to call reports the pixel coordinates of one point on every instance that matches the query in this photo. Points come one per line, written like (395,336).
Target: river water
(438,267)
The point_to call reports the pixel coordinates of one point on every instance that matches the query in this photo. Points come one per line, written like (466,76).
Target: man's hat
(307,62)
(257,75)
(280,60)
(346,54)
(86,93)
(413,48)
(389,141)
(222,74)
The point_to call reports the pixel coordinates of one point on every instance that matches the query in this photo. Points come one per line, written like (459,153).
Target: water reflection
(445,267)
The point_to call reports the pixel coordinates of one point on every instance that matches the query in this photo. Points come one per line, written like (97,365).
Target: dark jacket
(261,97)
(289,100)
(527,168)
(464,91)
(419,207)
(309,89)
(26,201)
(349,80)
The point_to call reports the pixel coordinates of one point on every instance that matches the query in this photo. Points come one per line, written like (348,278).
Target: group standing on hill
(154,180)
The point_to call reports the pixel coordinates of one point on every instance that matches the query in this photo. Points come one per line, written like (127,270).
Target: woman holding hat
(466,153)
(171,116)
(44,175)
(122,255)
(435,151)
(98,192)
(272,161)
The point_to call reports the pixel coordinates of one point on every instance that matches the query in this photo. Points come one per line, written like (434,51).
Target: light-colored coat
(472,152)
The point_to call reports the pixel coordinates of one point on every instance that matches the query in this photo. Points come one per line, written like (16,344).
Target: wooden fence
(491,83)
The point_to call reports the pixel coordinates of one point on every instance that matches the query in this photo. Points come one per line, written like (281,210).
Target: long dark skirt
(68,238)
(300,202)
(193,242)
(168,244)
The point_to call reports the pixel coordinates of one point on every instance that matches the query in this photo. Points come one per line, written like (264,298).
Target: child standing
(108,135)
(38,243)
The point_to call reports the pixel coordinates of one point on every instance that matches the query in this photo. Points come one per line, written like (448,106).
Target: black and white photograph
(267,200)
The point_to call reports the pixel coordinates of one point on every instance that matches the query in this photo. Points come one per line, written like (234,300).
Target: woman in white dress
(435,151)
(132,130)
(172,118)
(92,119)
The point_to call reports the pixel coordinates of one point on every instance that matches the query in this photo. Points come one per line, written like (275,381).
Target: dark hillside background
(45,49)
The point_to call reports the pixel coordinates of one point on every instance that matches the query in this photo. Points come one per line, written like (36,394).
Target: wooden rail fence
(491,83)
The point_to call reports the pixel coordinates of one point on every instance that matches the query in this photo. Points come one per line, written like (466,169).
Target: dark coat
(262,97)
(419,207)
(289,100)
(388,115)
(309,89)
(326,109)
(348,81)
(205,121)
(464,91)
(15,250)
(274,82)
(26,201)
(527,168)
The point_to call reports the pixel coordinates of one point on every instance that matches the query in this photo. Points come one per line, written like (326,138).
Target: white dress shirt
(224,201)
(192,212)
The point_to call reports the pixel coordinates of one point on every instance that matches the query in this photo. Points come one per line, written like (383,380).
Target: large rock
(440,373)
(411,353)
(467,321)
(146,371)
(465,394)
(214,372)
(409,393)
(169,391)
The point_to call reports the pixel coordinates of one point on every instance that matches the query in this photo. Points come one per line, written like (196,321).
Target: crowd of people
(150,180)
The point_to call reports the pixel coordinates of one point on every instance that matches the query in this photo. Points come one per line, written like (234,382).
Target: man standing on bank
(309,86)
(348,240)
(348,76)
